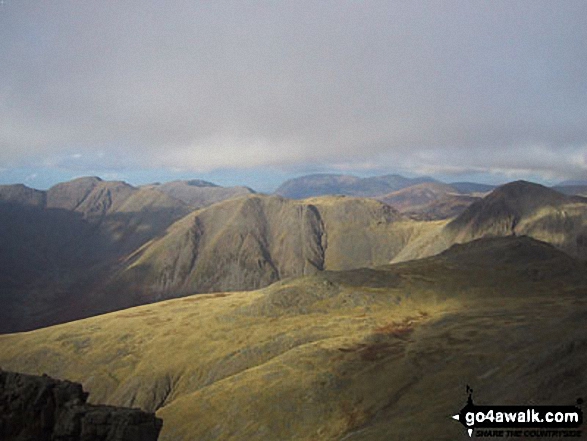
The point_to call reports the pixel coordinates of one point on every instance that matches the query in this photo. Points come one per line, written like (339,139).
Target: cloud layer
(440,87)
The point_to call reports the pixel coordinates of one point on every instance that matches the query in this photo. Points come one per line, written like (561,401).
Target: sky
(256,92)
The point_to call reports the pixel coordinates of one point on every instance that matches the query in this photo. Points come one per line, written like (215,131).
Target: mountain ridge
(328,184)
(101,238)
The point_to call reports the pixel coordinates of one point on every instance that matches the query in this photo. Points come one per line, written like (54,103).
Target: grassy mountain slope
(125,215)
(251,242)
(367,354)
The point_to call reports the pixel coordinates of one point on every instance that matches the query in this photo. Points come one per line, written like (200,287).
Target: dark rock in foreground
(44,409)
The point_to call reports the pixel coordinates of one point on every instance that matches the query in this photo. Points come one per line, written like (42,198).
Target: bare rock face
(44,409)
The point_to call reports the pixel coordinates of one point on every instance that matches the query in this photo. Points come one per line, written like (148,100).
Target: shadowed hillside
(69,252)
(57,247)
(502,210)
(366,354)
(90,196)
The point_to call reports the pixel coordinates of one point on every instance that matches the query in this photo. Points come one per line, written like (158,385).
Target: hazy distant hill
(428,201)
(575,182)
(517,208)
(332,184)
(572,190)
(367,354)
(471,187)
(198,193)
(251,242)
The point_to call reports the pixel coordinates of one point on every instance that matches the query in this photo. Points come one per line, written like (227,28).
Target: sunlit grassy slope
(368,354)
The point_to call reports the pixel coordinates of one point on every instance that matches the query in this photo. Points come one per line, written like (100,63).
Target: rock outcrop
(45,409)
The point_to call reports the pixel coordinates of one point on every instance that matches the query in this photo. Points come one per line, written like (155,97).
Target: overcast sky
(259,91)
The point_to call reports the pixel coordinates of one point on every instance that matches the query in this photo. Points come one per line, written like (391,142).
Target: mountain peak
(526,195)
(500,211)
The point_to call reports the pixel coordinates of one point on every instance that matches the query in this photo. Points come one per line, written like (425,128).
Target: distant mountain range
(90,246)
(378,186)
(332,184)
(577,190)
(236,315)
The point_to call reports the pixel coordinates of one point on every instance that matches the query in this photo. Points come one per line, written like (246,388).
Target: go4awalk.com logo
(521,421)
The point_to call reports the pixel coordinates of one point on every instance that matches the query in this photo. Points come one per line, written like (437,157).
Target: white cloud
(416,86)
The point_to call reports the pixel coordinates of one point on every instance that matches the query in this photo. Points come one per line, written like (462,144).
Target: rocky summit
(41,408)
